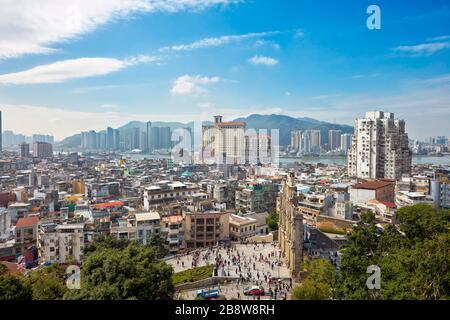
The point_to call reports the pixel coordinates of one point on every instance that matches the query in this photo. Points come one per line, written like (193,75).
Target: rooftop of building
(110,204)
(232,123)
(372,185)
(143,216)
(27,222)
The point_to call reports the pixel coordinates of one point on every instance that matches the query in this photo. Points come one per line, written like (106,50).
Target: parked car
(208,294)
(254,291)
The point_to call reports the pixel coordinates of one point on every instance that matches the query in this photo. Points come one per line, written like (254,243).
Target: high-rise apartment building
(296,140)
(379,147)
(43,138)
(110,138)
(165,138)
(334,139)
(310,142)
(441,140)
(42,149)
(24,150)
(148,131)
(346,141)
(224,142)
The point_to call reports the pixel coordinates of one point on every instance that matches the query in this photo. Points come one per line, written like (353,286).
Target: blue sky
(68,67)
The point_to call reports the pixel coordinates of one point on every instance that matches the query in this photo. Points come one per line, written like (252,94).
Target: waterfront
(328,160)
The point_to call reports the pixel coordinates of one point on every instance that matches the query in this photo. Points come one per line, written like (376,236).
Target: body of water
(445,160)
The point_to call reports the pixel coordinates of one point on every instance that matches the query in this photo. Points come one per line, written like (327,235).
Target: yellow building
(78,186)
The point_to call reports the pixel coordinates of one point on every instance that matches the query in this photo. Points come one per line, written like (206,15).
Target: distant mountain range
(285,124)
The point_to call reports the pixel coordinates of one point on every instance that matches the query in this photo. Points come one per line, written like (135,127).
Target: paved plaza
(243,266)
(246,261)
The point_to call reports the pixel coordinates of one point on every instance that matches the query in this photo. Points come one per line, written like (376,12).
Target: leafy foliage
(319,282)
(413,257)
(118,270)
(14,287)
(272,221)
(48,283)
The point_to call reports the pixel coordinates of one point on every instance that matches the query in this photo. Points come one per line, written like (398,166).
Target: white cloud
(34,27)
(192,84)
(64,70)
(267,61)
(439,38)
(217,41)
(424,49)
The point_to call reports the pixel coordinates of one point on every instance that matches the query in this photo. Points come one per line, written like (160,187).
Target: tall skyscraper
(334,139)
(165,138)
(224,142)
(441,140)
(154,138)
(24,150)
(116,139)
(42,149)
(43,138)
(346,141)
(296,140)
(149,136)
(110,138)
(379,147)
(311,142)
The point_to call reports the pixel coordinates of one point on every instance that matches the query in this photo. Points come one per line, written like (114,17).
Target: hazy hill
(285,124)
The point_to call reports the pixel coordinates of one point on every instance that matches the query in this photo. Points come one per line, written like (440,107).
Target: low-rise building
(205,226)
(61,243)
(147,225)
(242,227)
(172,230)
(381,190)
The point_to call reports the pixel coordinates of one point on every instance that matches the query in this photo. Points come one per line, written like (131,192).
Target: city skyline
(114,62)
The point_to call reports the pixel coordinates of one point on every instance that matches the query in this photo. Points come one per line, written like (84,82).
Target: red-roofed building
(111,204)
(26,233)
(381,190)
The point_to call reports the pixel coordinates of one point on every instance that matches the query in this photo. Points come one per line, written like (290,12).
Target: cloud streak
(65,70)
(34,27)
(217,41)
(423,49)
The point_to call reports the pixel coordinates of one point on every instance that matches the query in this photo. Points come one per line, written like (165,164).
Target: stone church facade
(290,227)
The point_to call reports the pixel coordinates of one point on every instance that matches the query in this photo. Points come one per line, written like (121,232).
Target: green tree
(159,246)
(112,272)
(318,284)
(14,287)
(413,257)
(48,283)
(272,221)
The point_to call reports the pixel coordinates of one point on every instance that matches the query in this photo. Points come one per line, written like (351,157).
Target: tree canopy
(120,270)
(318,284)
(272,221)
(413,256)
